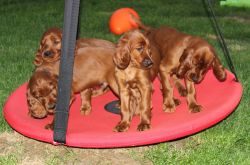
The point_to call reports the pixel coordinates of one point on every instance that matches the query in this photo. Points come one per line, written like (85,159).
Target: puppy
(136,67)
(42,93)
(183,57)
(50,47)
(51,42)
(93,66)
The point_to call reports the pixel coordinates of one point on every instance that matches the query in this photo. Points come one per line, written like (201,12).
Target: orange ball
(121,21)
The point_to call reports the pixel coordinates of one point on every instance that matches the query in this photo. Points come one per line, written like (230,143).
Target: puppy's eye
(195,61)
(201,63)
(140,49)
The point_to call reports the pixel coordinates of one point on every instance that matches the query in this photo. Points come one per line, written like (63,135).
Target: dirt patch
(239,19)
(32,152)
(232,44)
(212,36)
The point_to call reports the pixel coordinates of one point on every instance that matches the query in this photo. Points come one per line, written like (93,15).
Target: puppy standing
(136,67)
(184,57)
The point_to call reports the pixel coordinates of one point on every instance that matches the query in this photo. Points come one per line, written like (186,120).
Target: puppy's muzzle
(195,78)
(51,106)
(147,62)
(38,114)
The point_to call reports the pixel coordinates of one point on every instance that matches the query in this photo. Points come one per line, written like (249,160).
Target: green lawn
(23,22)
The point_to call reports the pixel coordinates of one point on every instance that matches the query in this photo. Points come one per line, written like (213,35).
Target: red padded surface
(95,131)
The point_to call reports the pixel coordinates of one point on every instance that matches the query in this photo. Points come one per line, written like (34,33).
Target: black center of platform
(113,107)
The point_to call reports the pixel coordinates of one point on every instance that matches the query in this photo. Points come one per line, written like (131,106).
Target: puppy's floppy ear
(33,104)
(122,55)
(185,62)
(30,101)
(218,69)
(54,79)
(38,58)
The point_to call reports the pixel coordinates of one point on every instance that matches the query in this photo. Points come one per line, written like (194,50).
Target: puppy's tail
(140,24)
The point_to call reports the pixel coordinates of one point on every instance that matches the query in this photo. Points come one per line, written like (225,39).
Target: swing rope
(221,39)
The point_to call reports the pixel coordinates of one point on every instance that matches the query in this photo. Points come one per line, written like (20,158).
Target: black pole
(221,39)
(71,12)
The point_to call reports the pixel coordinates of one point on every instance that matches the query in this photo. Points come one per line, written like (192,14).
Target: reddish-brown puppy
(50,47)
(42,93)
(93,66)
(184,57)
(137,65)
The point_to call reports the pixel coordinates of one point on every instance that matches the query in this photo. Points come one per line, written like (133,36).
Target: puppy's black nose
(48,53)
(147,62)
(194,78)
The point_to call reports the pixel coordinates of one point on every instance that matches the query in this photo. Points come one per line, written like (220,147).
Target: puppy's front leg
(191,98)
(181,89)
(126,116)
(86,101)
(50,126)
(167,91)
(145,106)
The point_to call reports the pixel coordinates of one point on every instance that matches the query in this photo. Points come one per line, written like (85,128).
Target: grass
(22,24)
(8,160)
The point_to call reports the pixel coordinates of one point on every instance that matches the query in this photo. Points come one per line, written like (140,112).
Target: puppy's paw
(121,127)
(85,109)
(182,92)
(194,108)
(177,102)
(143,127)
(169,107)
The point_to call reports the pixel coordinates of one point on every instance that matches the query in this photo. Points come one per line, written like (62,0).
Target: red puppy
(136,67)
(183,57)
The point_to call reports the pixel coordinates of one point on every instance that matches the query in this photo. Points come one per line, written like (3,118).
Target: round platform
(95,131)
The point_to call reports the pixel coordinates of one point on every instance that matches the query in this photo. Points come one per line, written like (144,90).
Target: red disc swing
(72,129)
